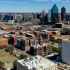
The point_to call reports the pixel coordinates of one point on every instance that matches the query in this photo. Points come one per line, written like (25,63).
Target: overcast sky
(32,5)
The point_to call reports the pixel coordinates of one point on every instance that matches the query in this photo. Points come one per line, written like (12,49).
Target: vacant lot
(7,58)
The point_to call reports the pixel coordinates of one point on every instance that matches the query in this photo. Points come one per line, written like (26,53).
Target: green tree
(10,49)
(2,65)
(22,56)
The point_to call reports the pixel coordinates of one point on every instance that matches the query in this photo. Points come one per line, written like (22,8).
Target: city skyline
(32,5)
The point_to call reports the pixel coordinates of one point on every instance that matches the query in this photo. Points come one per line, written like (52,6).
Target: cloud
(46,0)
(40,0)
(51,0)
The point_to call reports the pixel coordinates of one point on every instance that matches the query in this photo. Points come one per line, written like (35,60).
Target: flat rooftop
(37,62)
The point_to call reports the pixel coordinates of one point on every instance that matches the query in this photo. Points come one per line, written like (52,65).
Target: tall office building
(54,14)
(63,13)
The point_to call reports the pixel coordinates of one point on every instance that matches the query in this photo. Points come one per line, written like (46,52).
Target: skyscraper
(44,18)
(54,14)
(63,12)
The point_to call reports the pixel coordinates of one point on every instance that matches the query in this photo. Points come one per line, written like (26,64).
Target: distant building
(7,17)
(11,22)
(18,17)
(43,18)
(28,16)
(54,14)
(63,13)
(67,18)
(49,16)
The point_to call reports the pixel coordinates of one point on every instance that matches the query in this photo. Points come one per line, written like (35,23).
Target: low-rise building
(36,63)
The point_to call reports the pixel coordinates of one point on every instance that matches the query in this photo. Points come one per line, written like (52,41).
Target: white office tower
(36,63)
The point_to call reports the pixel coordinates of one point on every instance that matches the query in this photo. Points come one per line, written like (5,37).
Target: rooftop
(37,62)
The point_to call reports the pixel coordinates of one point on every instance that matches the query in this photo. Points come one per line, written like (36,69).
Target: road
(66,38)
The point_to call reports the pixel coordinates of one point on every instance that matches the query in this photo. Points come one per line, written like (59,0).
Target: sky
(32,5)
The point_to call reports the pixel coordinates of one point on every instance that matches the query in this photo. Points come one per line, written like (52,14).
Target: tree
(2,66)
(10,49)
(22,56)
